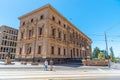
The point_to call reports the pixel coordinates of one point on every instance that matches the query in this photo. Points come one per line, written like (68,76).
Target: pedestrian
(51,65)
(46,65)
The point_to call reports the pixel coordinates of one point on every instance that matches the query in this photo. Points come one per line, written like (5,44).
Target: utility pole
(107,50)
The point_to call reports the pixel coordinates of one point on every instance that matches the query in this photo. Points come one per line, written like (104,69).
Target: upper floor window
(53,32)
(6,37)
(40,31)
(41,17)
(23,23)
(64,36)
(5,42)
(16,32)
(10,31)
(64,25)
(30,33)
(31,20)
(53,18)
(2,42)
(59,22)
(59,35)
(1,49)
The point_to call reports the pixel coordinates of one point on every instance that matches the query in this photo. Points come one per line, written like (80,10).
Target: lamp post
(107,50)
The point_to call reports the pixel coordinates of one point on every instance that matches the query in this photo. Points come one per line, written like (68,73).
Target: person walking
(51,65)
(46,65)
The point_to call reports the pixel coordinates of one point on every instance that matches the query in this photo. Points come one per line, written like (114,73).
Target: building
(45,33)
(8,41)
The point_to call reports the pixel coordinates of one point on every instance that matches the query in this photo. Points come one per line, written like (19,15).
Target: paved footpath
(24,72)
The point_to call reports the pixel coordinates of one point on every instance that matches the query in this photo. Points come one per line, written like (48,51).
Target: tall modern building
(8,41)
(45,33)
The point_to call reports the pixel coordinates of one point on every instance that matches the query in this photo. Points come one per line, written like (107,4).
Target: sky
(92,17)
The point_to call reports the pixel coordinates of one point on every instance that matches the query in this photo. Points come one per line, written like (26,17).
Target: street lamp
(107,50)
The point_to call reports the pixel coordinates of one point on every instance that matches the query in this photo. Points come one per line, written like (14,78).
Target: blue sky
(92,17)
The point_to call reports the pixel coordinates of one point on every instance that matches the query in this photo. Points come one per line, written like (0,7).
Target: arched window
(41,17)
(53,18)
(31,20)
(59,22)
(23,23)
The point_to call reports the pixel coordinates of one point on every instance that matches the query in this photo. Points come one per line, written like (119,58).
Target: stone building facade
(8,41)
(45,33)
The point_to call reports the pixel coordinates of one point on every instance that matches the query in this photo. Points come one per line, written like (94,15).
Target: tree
(95,52)
(112,57)
(101,56)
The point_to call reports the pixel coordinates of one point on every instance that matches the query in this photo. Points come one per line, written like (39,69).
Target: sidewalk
(69,71)
(58,67)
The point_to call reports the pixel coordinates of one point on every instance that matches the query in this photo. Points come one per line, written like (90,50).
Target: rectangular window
(39,49)
(1,49)
(40,31)
(52,50)
(53,18)
(30,33)
(41,17)
(58,51)
(59,22)
(29,50)
(53,32)
(59,34)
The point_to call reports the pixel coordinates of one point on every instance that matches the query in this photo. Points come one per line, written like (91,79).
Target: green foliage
(112,57)
(101,56)
(95,53)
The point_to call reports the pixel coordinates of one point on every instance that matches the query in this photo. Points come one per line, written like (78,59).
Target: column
(24,50)
(25,35)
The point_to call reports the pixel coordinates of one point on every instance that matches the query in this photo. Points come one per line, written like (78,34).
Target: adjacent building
(45,33)
(8,41)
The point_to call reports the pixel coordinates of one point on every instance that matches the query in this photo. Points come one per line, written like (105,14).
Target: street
(63,71)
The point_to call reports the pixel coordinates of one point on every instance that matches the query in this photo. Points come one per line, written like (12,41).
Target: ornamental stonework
(45,33)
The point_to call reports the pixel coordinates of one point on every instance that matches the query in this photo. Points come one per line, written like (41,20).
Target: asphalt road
(60,72)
